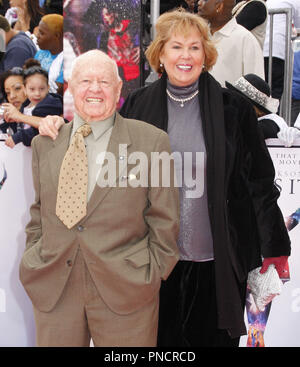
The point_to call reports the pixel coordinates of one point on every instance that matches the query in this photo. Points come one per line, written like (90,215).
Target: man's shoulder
(142,126)
(21,40)
(44,143)
(232,32)
(143,131)
(243,36)
(241,31)
(41,143)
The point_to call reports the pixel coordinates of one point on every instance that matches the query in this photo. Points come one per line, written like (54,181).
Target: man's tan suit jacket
(128,237)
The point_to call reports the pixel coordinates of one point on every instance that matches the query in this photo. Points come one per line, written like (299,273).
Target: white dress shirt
(239,53)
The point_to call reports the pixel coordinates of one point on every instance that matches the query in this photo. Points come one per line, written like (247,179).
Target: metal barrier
(286,99)
(154,14)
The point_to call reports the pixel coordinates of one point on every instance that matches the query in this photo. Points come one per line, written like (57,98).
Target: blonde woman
(234,220)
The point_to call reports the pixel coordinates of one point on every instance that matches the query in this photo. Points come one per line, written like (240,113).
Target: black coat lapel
(212,115)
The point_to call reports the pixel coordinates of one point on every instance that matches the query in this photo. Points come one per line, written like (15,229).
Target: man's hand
(279,262)
(50,125)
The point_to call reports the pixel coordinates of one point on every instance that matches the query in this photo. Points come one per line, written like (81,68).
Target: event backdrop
(16,196)
(279,324)
(111,26)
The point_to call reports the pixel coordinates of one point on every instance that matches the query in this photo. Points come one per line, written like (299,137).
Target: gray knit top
(186,138)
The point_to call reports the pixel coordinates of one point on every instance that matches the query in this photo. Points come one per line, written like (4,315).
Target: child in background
(40,103)
(258,92)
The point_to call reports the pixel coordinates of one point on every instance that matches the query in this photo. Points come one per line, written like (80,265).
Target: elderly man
(96,254)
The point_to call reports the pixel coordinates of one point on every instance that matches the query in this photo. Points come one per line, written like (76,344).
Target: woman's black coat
(246,221)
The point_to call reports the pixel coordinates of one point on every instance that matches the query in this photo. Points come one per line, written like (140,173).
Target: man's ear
(58,36)
(219,6)
(120,85)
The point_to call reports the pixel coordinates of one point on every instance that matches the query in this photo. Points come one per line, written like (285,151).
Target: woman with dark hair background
(39,103)
(12,91)
(29,14)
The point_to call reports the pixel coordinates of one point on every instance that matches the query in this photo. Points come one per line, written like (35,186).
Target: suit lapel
(57,153)
(120,135)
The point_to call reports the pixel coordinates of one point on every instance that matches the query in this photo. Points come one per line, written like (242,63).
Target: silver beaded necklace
(182,100)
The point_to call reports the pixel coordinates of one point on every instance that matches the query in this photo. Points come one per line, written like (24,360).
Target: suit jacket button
(69,263)
(80,228)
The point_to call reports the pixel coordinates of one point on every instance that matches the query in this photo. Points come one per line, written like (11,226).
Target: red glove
(279,262)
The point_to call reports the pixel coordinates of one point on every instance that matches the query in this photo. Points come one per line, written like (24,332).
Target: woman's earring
(161,65)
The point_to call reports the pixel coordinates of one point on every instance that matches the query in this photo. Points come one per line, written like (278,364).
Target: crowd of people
(240,28)
(31,68)
(156,266)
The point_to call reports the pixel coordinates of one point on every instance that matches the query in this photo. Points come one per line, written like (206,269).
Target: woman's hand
(9,142)
(21,24)
(50,125)
(11,113)
(21,14)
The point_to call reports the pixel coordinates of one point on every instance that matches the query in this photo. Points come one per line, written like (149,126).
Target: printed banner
(279,324)
(16,196)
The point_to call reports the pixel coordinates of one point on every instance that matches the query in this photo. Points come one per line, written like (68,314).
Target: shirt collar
(98,127)
(228,28)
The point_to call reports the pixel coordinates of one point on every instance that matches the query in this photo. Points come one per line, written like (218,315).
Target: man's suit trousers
(81,315)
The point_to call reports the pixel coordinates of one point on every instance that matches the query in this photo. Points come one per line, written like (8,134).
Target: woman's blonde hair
(181,22)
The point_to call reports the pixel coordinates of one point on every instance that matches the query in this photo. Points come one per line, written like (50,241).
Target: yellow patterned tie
(73,180)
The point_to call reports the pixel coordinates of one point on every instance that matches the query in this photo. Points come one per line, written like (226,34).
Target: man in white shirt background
(239,52)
